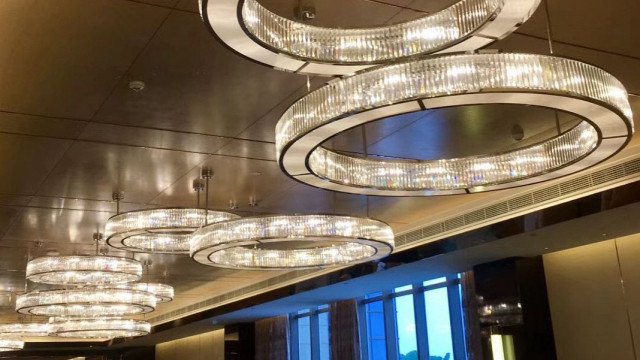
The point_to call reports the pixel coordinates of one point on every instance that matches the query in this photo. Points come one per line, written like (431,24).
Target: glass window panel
(323,307)
(304,338)
(406,328)
(434,281)
(372,295)
(402,288)
(375,331)
(323,323)
(439,333)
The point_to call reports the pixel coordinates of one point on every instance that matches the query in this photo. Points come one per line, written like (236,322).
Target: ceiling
(72,131)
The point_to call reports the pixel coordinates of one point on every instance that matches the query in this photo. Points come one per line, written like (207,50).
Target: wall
(207,346)
(594,298)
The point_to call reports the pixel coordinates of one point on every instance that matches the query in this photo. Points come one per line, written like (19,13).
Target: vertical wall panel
(629,250)
(207,346)
(587,303)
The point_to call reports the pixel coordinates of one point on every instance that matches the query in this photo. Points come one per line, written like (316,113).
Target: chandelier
(101,328)
(20,330)
(83,270)
(456,80)
(11,345)
(292,242)
(162,292)
(257,33)
(162,230)
(86,302)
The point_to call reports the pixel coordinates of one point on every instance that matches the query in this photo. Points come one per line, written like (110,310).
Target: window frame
(314,324)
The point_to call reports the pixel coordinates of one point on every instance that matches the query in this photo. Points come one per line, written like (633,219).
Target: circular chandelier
(86,302)
(83,270)
(101,328)
(292,242)
(257,33)
(159,230)
(163,293)
(448,81)
(11,345)
(20,330)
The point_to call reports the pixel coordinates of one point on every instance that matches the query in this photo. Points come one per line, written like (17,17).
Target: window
(439,333)
(309,334)
(406,327)
(377,344)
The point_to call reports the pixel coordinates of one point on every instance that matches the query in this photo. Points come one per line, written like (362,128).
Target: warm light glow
(265,242)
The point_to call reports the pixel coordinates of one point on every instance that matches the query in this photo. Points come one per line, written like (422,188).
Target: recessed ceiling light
(136,85)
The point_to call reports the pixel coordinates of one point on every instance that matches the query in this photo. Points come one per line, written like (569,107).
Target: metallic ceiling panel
(250,149)
(158,139)
(25,162)
(303,199)
(234,179)
(188,5)
(94,171)
(40,126)
(62,58)
(193,83)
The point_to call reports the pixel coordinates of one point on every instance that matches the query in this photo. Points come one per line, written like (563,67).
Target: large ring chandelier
(11,345)
(257,33)
(546,81)
(101,328)
(159,230)
(83,270)
(86,302)
(21,330)
(292,242)
(163,293)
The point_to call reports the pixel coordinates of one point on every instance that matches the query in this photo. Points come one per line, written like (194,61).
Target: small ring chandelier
(106,328)
(162,292)
(257,33)
(83,270)
(292,242)
(86,302)
(11,345)
(162,230)
(21,330)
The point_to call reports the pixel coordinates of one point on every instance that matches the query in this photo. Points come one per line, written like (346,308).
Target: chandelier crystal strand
(163,293)
(83,270)
(328,240)
(101,328)
(86,302)
(263,36)
(159,230)
(526,79)
(11,345)
(21,330)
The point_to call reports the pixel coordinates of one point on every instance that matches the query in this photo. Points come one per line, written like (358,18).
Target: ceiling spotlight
(86,302)
(136,85)
(102,328)
(255,32)
(457,80)
(292,242)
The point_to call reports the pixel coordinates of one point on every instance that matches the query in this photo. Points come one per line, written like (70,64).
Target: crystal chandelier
(21,330)
(163,293)
(86,302)
(11,345)
(162,230)
(101,328)
(257,33)
(83,270)
(292,242)
(456,80)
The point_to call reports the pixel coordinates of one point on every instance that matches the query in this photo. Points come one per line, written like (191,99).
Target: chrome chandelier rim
(234,244)
(21,330)
(464,26)
(163,231)
(162,292)
(86,302)
(11,345)
(448,81)
(101,328)
(83,270)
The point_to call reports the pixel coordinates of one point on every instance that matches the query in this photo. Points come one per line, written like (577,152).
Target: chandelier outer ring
(229,28)
(148,306)
(22,330)
(59,323)
(613,125)
(11,345)
(118,239)
(203,254)
(144,287)
(37,276)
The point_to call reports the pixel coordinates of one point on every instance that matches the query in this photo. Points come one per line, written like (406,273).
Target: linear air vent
(612,176)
